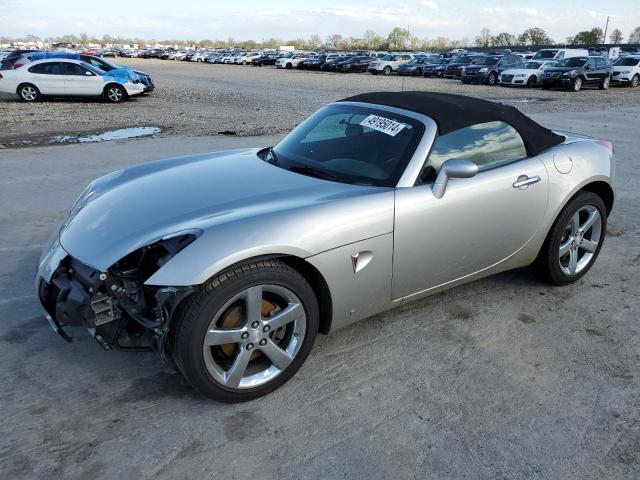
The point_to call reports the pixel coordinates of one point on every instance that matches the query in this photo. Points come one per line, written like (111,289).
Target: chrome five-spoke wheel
(580,240)
(246,331)
(254,336)
(574,241)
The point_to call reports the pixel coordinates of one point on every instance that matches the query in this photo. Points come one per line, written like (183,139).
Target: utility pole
(604,40)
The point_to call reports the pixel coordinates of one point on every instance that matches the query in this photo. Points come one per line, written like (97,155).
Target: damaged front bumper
(118,310)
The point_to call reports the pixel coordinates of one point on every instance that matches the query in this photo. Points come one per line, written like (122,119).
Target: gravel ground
(504,378)
(202,99)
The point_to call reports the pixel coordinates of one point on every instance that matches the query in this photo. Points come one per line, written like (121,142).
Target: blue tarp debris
(46,55)
(121,75)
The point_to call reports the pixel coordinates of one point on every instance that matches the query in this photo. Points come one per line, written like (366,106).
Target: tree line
(398,39)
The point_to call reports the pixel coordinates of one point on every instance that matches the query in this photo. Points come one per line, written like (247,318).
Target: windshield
(627,62)
(387,57)
(487,60)
(351,144)
(532,65)
(95,70)
(545,54)
(572,62)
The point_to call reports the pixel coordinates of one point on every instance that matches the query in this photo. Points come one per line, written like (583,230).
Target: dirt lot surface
(505,378)
(203,99)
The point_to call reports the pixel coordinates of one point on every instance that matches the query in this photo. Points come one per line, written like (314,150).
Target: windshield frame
(408,166)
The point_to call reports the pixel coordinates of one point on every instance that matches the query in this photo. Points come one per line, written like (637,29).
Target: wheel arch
(310,273)
(603,190)
(109,84)
(20,85)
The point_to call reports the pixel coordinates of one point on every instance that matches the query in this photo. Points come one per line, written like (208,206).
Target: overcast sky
(288,19)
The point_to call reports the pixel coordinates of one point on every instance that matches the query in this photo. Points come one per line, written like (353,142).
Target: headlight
(625,71)
(572,73)
(520,75)
(483,70)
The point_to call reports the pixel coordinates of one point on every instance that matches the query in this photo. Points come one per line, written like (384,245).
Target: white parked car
(626,71)
(389,63)
(559,53)
(528,75)
(247,58)
(231,58)
(59,77)
(199,57)
(292,61)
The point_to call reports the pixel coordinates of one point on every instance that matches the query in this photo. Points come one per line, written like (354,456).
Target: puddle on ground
(120,134)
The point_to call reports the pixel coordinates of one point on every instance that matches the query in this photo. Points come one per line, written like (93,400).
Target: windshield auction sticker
(381,124)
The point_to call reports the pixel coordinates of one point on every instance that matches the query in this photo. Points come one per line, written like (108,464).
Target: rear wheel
(115,93)
(246,332)
(575,240)
(29,93)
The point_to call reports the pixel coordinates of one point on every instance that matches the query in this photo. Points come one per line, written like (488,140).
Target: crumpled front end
(115,306)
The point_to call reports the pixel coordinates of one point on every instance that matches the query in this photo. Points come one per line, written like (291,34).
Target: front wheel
(574,241)
(246,332)
(605,83)
(635,81)
(387,70)
(531,81)
(577,84)
(492,78)
(115,93)
(29,93)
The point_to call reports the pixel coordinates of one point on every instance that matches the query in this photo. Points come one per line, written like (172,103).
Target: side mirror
(88,74)
(452,168)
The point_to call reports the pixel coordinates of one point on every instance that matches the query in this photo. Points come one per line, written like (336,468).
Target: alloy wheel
(254,336)
(577,84)
(114,94)
(29,93)
(635,80)
(580,240)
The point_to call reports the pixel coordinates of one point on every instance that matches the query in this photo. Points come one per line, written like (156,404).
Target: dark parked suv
(354,64)
(454,67)
(577,72)
(435,67)
(414,67)
(487,69)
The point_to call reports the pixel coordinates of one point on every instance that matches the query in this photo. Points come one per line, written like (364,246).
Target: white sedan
(528,75)
(58,77)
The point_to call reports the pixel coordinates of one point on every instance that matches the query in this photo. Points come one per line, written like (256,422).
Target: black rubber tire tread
(187,352)
(546,264)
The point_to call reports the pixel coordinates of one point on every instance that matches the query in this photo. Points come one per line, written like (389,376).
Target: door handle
(525,181)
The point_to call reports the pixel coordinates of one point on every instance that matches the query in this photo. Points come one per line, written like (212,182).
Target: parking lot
(503,378)
(196,99)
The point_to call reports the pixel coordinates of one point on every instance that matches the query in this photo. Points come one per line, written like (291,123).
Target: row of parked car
(572,68)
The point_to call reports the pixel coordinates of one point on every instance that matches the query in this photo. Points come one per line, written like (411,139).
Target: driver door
(479,221)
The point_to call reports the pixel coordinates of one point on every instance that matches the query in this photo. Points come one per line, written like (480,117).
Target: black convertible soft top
(453,112)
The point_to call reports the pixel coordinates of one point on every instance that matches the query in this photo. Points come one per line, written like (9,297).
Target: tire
(244,63)
(29,93)
(220,299)
(531,81)
(386,70)
(576,242)
(288,66)
(605,83)
(114,93)
(418,72)
(492,78)
(634,81)
(577,84)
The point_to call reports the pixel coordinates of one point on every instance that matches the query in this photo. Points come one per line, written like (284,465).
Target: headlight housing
(572,74)
(483,70)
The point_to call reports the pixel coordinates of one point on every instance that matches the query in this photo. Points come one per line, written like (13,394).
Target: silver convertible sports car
(230,263)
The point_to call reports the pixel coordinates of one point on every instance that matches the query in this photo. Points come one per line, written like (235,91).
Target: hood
(130,208)
(516,71)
